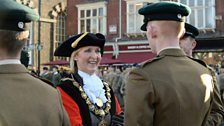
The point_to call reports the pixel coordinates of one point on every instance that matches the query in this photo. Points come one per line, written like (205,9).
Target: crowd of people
(172,89)
(54,75)
(116,76)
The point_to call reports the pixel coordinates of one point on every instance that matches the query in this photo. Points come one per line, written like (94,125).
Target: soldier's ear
(151,31)
(193,45)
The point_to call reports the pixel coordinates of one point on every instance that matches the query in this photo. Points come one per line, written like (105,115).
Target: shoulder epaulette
(151,60)
(199,61)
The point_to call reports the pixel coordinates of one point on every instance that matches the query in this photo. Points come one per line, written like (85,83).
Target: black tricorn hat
(191,30)
(81,40)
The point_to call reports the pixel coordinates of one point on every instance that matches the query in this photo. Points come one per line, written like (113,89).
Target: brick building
(47,32)
(119,21)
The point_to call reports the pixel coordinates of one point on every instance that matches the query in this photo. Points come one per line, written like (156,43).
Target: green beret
(164,10)
(81,40)
(191,30)
(15,16)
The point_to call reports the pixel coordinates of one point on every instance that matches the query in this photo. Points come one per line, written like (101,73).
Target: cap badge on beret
(15,16)
(75,43)
(189,34)
(21,25)
(179,16)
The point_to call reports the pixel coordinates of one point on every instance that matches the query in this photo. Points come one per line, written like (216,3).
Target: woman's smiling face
(88,59)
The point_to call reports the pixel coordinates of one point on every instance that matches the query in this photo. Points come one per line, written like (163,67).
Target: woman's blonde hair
(73,64)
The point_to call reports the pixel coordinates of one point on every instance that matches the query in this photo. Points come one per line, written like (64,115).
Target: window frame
(92,7)
(195,9)
(135,13)
(60,35)
(60,32)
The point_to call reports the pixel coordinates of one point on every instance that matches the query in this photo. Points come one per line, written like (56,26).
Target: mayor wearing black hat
(88,100)
(170,89)
(24,99)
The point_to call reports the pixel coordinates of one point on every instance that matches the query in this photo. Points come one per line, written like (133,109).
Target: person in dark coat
(56,76)
(88,100)
(24,99)
(45,74)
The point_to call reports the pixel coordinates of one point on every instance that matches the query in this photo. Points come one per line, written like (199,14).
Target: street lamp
(38,39)
(39,47)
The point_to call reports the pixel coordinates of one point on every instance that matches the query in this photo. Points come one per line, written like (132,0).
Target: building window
(60,31)
(202,13)
(134,20)
(60,28)
(92,18)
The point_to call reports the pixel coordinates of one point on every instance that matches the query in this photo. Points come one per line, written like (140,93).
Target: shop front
(126,53)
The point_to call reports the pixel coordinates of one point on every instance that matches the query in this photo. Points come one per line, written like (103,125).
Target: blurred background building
(48,33)
(120,22)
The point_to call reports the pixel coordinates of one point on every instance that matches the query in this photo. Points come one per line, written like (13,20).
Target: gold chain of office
(98,110)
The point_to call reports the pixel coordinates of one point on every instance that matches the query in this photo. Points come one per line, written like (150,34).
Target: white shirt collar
(10,61)
(84,74)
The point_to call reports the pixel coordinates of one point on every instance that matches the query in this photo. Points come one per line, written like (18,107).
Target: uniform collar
(13,68)
(170,47)
(10,61)
(172,52)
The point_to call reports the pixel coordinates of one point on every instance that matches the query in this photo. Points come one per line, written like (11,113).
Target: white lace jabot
(93,87)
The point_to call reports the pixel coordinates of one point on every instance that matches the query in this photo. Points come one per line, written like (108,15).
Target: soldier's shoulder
(151,61)
(43,80)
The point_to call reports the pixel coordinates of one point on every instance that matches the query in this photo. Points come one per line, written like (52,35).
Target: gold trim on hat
(74,44)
